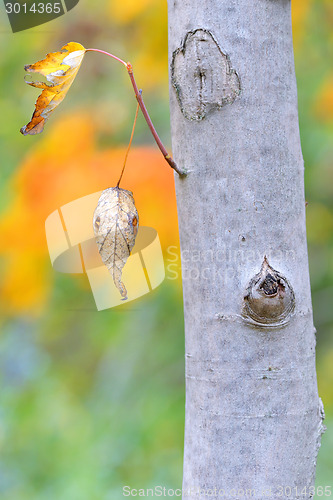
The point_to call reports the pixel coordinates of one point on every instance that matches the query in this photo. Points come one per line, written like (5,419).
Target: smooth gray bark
(253,415)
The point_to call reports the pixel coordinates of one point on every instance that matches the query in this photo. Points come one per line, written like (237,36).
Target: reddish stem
(145,113)
(108,54)
(143,108)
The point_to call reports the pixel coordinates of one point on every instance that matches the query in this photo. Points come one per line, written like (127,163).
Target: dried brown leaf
(116,223)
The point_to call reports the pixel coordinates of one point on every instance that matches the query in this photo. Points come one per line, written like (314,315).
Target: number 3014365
(35,8)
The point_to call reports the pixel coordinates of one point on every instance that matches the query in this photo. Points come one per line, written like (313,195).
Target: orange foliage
(63,167)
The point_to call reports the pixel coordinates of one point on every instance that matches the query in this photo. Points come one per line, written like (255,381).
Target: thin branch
(145,113)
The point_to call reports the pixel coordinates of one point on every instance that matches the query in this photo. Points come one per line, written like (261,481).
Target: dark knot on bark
(269,298)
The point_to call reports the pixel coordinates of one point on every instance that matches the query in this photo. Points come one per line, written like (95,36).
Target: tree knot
(269,298)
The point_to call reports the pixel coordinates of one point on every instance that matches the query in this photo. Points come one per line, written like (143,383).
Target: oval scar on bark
(269,298)
(202,76)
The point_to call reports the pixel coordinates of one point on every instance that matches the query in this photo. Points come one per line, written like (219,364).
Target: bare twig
(145,113)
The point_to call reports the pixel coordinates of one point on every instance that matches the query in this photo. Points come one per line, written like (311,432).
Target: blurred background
(92,401)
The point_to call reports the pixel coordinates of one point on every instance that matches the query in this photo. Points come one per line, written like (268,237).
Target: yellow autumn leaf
(60,69)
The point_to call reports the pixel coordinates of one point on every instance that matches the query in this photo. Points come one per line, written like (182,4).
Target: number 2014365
(35,8)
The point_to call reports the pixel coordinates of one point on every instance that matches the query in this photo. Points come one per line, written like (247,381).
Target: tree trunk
(253,415)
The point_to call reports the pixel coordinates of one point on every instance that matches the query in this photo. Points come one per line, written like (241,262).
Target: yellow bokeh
(25,284)
(146,22)
(325,377)
(323,104)
(319,223)
(128,10)
(299,10)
